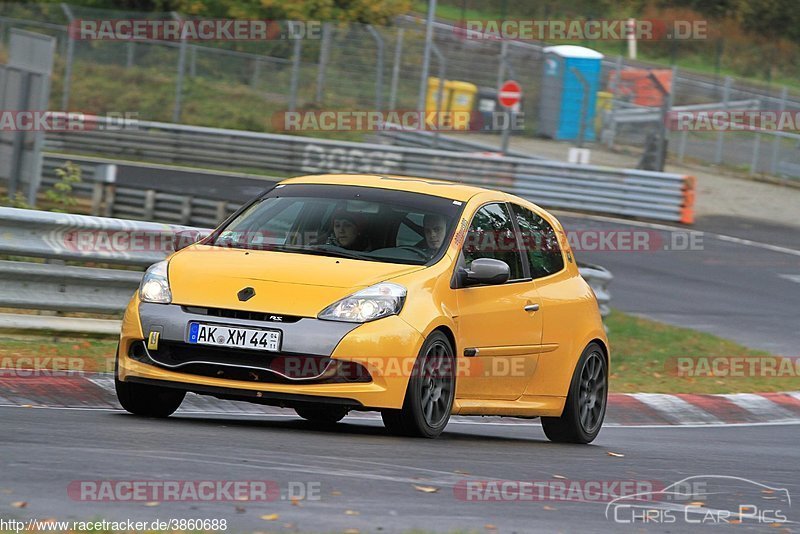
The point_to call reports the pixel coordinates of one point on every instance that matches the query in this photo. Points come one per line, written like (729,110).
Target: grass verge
(644,358)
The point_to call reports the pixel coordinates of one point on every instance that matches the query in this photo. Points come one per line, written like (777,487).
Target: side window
(491,235)
(540,242)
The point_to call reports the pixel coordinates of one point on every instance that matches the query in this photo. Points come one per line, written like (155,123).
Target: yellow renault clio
(413,297)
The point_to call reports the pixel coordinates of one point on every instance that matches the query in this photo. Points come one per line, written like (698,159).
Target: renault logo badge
(246,294)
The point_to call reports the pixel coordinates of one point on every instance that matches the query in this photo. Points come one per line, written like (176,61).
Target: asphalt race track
(367,479)
(745,288)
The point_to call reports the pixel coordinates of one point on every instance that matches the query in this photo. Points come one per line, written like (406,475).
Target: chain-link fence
(241,84)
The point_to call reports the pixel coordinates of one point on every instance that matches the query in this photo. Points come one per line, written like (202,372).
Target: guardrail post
(186,210)
(104,175)
(222,211)
(149,204)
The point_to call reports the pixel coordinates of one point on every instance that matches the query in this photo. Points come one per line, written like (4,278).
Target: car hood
(284,282)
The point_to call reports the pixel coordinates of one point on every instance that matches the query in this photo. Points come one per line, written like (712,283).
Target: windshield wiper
(321,252)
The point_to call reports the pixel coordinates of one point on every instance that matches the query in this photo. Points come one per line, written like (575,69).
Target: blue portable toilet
(562,92)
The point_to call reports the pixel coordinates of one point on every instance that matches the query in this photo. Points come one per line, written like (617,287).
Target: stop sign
(510,93)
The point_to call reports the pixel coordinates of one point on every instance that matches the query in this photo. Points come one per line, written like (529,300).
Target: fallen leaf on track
(352,512)
(426,489)
(152,503)
(559,476)
(615,454)
(19,504)
(270,517)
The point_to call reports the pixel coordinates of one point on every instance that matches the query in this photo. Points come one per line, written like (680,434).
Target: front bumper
(385,348)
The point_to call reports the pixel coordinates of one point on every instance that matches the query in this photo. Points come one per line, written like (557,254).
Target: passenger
(348,231)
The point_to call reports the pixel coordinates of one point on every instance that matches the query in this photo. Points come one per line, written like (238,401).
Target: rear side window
(540,242)
(491,235)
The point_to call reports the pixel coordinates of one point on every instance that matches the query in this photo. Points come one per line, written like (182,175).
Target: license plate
(234,336)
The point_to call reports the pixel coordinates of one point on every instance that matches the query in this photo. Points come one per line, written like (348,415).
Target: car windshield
(363,223)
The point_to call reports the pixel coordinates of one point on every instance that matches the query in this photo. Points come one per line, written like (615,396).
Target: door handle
(531,308)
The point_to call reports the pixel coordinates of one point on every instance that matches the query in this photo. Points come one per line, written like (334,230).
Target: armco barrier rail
(58,287)
(553,184)
(154,192)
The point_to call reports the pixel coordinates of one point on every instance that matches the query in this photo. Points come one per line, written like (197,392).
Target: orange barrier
(636,86)
(687,208)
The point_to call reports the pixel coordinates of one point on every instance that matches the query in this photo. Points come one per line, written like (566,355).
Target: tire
(430,393)
(586,402)
(321,414)
(146,400)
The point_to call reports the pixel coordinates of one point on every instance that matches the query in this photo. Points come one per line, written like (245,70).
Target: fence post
(612,132)
(726,93)
(398,53)
(682,145)
(295,74)
(256,73)
(176,110)
(756,153)
(68,61)
(324,56)
(426,56)
(440,93)
(776,140)
(379,75)
(131,50)
(193,62)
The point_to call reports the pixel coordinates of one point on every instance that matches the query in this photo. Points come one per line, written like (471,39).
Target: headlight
(368,304)
(155,286)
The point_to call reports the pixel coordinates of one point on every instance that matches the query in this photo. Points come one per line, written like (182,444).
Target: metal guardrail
(177,195)
(626,114)
(553,184)
(423,139)
(65,288)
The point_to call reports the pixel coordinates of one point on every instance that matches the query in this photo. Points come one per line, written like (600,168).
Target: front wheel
(586,402)
(146,400)
(430,393)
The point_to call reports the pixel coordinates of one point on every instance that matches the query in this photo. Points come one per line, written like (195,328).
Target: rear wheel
(144,399)
(586,402)
(429,396)
(322,414)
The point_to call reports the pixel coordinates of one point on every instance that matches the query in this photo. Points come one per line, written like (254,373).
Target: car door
(499,328)
(556,285)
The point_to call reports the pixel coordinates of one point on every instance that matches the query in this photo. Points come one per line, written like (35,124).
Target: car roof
(427,186)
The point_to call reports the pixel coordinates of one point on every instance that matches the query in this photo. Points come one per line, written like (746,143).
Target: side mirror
(184,238)
(487,271)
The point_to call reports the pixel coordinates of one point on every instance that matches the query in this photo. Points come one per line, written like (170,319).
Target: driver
(435,227)
(348,231)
